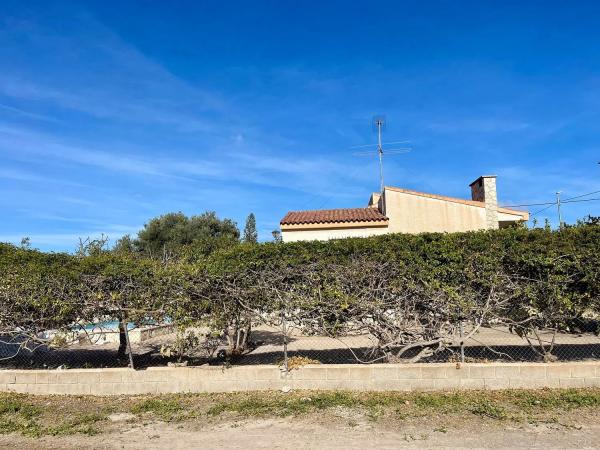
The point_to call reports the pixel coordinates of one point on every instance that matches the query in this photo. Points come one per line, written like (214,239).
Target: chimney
(483,189)
(376,201)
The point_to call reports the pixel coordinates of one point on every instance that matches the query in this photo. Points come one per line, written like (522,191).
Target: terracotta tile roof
(333,216)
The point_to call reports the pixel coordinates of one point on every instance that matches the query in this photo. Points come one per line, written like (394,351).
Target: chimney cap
(482,177)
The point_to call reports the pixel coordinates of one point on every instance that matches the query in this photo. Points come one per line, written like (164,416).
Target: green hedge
(554,275)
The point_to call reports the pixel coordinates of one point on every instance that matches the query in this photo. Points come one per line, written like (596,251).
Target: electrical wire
(566,200)
(548,205)
(578,201)
(529,204)
(582,195)
(542,210)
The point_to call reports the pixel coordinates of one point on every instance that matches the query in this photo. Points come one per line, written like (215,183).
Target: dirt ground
(305,420)
(308,433)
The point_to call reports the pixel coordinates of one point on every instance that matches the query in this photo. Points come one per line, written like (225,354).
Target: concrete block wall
(353,377)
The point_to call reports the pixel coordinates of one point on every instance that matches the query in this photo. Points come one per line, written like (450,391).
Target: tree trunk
(122,341)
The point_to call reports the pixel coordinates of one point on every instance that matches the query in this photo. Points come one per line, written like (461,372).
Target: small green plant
(166,409)
(82,424)
(489,409)
(185,344)
(15,405)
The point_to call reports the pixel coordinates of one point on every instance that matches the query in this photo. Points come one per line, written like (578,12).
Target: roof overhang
(523,215)
(334,225)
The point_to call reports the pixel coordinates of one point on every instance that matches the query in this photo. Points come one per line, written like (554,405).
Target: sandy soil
(310,432)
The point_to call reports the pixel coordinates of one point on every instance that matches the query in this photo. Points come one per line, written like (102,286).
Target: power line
(564,201)
(542,210)
(583,200)
(529,204)
(548,205)
(554,202)
(582,195)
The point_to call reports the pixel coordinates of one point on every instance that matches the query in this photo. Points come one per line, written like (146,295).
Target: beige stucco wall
(327,234)
(409,213)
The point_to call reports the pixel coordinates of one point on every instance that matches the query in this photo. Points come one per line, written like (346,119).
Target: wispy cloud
(9,173)
(11,110)
(478,125)
(253,167)
(121,83)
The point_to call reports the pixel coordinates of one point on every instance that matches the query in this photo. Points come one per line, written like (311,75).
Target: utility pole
(560,220)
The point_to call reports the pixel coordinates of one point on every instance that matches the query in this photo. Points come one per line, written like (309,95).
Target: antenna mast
(378,125)
(379,122)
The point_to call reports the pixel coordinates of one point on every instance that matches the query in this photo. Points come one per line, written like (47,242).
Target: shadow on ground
(270,351)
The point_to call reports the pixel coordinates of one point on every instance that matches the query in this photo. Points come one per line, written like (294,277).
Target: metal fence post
(284,329)
(462,342)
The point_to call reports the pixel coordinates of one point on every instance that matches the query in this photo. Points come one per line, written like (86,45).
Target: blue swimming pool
(108,325)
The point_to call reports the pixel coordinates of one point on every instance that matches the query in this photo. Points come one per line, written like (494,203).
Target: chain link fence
(285,345)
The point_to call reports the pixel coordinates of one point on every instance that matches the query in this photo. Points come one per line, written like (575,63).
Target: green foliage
(125,244)
(528,279)
(503,405)
(489,409)
(173,234)
(250,233)
(18,414)
(276,236)
(166,409)
(57,291)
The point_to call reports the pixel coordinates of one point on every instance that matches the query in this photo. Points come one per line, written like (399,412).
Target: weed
(15,405)
(445,402)
(566,399)
(84,424)
(489,409)
(166,409)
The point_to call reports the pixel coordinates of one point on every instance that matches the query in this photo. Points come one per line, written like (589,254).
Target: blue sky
(112,113)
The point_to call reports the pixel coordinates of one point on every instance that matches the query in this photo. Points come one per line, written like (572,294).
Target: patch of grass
(84,424)
(62,415)
(514,405)
(20,416)
(440,401)
(13,404)
(281,405)
(25,427)
(166,409)
(558,399)
(489,409)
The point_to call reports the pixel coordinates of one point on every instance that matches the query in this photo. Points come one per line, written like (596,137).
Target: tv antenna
(378,125)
